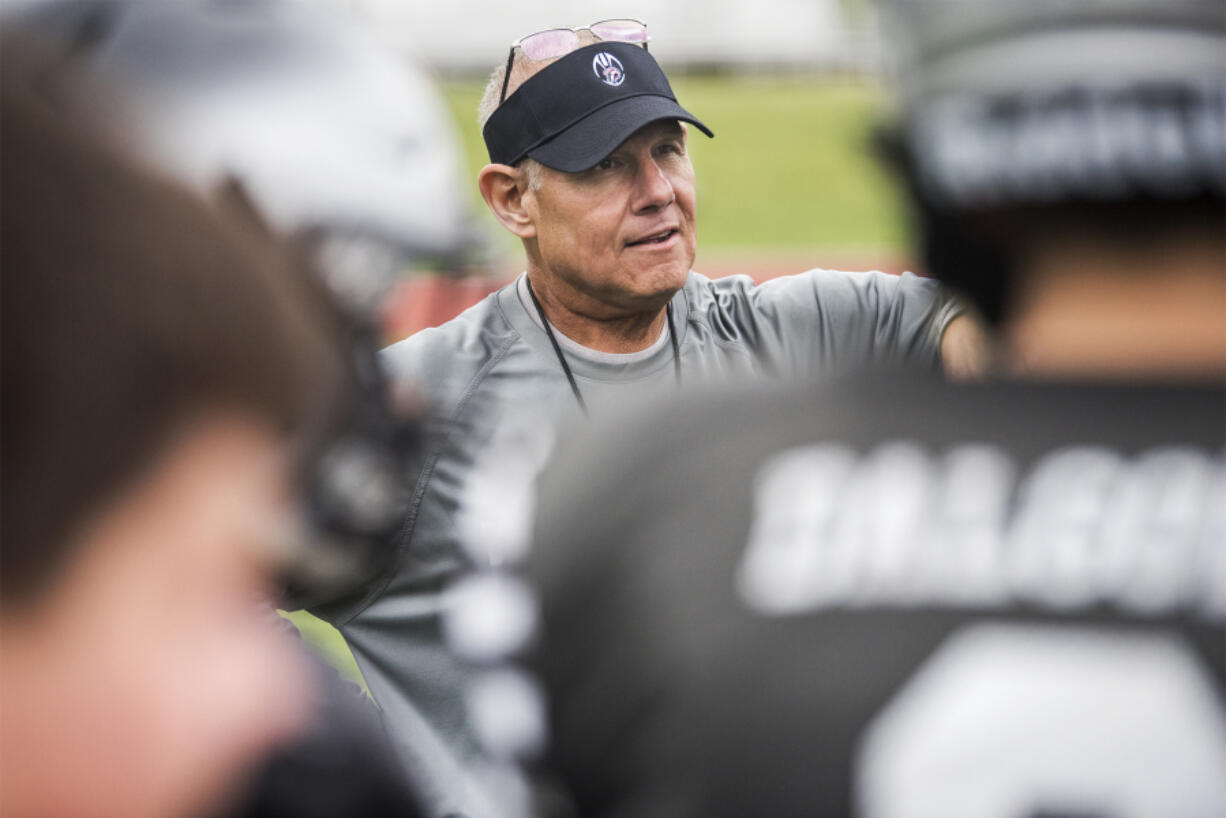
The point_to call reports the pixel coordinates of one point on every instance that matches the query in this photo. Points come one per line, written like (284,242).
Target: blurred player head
(159,364)
(1067,162)
(326,136)
(325,127)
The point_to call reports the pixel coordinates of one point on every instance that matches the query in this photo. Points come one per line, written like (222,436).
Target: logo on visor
(609,69)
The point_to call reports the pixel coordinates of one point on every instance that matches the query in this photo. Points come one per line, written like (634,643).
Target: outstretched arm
(965,348)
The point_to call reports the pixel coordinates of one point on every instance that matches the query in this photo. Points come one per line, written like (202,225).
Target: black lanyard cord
(672,336)
(557,350)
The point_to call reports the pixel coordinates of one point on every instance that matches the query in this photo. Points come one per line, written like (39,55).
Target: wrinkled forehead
(649,134)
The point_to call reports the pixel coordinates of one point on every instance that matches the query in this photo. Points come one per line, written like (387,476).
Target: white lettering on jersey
(900,527)
(1009,720)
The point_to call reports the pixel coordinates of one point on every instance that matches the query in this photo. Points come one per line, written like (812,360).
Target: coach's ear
(507,191)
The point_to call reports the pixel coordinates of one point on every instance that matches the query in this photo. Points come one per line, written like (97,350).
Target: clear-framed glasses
(554,42)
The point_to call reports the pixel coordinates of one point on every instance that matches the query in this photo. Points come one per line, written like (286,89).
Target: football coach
(589,168)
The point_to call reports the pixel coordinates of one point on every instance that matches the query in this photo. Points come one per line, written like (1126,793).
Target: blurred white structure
(325,126)
(473,35)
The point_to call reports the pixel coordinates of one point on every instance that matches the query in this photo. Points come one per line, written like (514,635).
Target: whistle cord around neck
(557,349)
(672,337)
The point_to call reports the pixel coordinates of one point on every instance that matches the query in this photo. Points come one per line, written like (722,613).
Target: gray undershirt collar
(572,347)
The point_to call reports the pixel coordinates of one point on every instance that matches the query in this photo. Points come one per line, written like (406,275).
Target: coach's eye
(608,163)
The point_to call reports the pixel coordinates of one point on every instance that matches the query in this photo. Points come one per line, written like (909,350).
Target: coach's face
(623,232)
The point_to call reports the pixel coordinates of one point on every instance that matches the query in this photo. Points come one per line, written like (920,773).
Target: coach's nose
(653,187)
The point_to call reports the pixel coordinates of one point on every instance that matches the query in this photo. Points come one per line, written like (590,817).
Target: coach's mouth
(655,238)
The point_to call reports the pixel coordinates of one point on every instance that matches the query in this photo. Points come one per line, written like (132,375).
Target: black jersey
(891,599)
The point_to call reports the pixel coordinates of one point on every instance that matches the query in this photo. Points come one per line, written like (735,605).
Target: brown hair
(128,306)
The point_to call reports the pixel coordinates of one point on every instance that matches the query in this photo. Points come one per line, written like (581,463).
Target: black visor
(577,111)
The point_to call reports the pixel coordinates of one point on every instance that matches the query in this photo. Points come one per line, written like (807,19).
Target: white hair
(531,169)
(521,70)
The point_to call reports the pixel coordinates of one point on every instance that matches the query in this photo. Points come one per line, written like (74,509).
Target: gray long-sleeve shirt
(492,371)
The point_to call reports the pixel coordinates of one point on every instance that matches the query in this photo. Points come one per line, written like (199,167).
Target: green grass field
(328,643)
(789,172)
(789,169)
